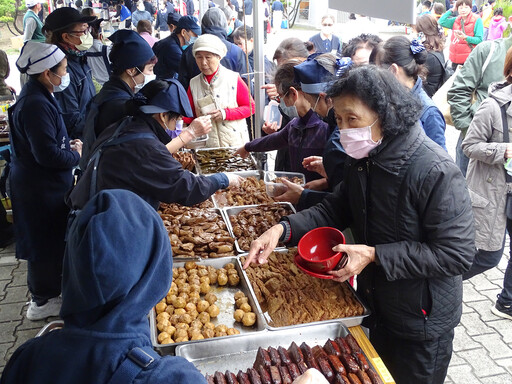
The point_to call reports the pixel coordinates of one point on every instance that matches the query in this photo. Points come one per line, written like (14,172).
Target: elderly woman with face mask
(219,93)
(409,210)
(70,31)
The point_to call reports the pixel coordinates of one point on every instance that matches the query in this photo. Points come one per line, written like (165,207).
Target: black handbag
(508,178)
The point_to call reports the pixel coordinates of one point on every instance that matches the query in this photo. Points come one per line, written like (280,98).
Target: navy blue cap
(314,78)
(173,99)
(173,18)
(190,23)
(129,50)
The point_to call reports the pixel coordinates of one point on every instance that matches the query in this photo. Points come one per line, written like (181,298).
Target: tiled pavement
(482,346)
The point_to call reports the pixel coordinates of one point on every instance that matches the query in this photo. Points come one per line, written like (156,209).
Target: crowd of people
(358,121)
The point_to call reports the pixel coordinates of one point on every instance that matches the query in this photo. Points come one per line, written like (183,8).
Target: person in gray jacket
(488,151)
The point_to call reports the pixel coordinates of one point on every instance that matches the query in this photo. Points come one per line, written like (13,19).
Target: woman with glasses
(69,30)
(325,41)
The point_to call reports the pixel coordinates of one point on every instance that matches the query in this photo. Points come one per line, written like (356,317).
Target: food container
(233,164)
(226,304)
(276,189)
(220,197)
(233,211)
(347,321)
(198,142)
(315,249)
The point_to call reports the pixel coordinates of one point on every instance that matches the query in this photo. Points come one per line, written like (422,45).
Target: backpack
(447,69)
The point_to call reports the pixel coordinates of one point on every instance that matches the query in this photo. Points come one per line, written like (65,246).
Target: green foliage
(7,10)
(507,7)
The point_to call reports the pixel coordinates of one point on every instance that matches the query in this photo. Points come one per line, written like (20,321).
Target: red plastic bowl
(315,249)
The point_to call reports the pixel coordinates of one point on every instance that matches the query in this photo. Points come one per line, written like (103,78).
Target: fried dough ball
(233,280)
(209,325)
(193,300)
(211,298)
(171,330)
(232,272)
(174,289)
(192,273)
(162,336)
(221,328)
(190,265)
(249,319)
(222,271)
(181,270)
(194,281)
(240,301)
(162,315)
(202,306)
(174,271)
(167,341)
(202,272)
(208,333)
(161,325)
(220,334)
(184,295)
(169,309)
(204,288)
(238,315)
(194,295)
(196,324)
(181,339)
(186,318)
(197,336)
(213,310)
(179,311)
(185,288)
(182,325)
(205,279)
(193,314)
(246,307)
(174,319)
(233,331)
(222,279)
(195,288)
(204,317)
(229,266)
(239,295)
(190,307)
(180,282)
(213,277)
(179,302)
(160,307)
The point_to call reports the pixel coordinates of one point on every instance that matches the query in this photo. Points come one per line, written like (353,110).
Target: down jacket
(485,148)
(408,200)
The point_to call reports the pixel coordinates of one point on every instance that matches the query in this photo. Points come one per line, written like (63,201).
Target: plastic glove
(234,180)
(201,126)
(311,376)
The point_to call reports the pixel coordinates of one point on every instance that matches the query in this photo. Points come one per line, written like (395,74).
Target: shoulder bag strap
(487,61)
(136,360)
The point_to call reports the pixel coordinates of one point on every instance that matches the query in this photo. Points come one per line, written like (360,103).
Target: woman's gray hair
(214,17)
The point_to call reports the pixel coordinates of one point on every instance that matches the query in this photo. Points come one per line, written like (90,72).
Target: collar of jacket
(217,31)
(394,152)
(309,119)
(417,86)
(35,85)
(157,129)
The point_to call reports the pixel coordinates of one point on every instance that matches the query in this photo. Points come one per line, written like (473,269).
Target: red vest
(460,49)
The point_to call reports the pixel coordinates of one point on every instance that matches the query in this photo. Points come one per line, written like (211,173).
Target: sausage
(294,370)
(230,378)
(332,348)
(209,379)
(254,377)
(275,375)
(285,374)
(264,375)
(283,354)
(349,363)
(363,377)
(306,351)
(220,378)
(374,377)
(303,367)
(243,378)
(325,368)
(344,348)
(352,342)
(312,363)
(361,360)
(274,356)
(354,379)
(262,358)
(295,353)
(341,379)
(318,351)
(336,365)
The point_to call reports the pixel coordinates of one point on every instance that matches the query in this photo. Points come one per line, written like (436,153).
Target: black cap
(129,49)
(63,17)
(173,18)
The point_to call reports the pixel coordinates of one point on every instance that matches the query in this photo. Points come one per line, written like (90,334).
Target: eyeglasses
(80,33)
(327,25)
(279,98)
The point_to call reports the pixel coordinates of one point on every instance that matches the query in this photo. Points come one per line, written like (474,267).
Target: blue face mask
(230,30)
(191,41)
(291,111)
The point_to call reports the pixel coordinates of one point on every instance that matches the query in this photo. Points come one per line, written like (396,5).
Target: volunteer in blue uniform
(137,156)
(169,50)
(132,61)
(107,293)
(69,30)
(43,157)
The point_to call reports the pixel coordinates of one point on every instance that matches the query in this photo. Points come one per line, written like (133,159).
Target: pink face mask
(357,142)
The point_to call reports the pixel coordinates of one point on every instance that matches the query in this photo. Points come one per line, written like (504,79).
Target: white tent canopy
(396,10)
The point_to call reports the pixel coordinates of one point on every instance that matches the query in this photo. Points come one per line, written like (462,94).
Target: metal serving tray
(259,175)
(276,189)
(198,166)
(226,304)
(347,321)
(233,211)
(240,353)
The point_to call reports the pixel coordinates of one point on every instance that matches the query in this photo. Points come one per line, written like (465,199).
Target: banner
(403,11)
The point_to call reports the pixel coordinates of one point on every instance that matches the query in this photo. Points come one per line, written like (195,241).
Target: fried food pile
(251,191)
(294,179)
(196,232)
(187,311)
(292,297)
(250,223)
(222,160)
(186,159)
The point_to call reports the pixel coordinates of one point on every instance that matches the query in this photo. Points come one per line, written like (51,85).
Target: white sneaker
(51,308)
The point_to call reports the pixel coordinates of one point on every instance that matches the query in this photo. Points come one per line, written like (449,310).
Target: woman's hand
(508,151)
(242,152)
(359,256)
(314,164)
(269,128)
(216,115)
(264,245)
(317,185)
(200,126)
(76,145)
(292,194)
(234,180)
(271,90)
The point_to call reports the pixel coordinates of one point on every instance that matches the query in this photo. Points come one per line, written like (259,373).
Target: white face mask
(86,42)
(358,142)
(64,82)
(147,79)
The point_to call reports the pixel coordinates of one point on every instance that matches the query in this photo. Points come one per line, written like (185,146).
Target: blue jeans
(461,159)
(485,260)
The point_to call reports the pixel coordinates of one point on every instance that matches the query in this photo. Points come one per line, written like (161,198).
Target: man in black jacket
(409,210)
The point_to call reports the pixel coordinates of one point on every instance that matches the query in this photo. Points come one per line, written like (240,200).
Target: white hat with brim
(210,43)
(37,57)
(31,3)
